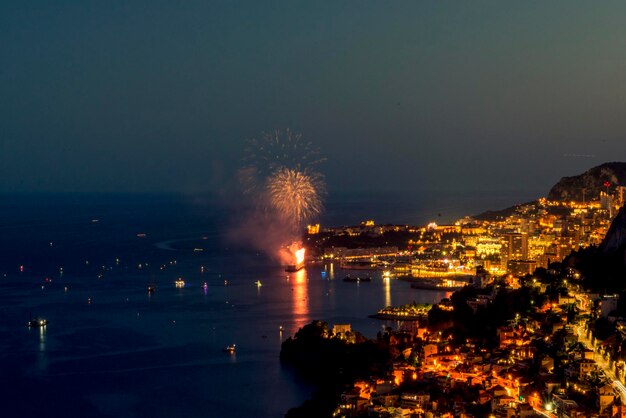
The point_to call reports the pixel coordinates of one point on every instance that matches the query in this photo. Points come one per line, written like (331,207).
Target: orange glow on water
(301,299)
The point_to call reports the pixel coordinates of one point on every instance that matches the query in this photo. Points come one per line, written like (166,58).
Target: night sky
(160,96)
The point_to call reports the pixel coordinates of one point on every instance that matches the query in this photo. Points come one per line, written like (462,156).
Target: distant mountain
(591,182)
(571,188)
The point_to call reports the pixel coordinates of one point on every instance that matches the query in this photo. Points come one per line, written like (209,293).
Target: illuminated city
(312,209)
(524,335)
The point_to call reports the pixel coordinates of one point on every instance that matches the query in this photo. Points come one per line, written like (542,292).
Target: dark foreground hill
(603,268)
(615,240)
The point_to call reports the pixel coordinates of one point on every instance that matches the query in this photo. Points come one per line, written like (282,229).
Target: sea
(111,348)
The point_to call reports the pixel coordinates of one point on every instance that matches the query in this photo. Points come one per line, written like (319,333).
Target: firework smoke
(280,179)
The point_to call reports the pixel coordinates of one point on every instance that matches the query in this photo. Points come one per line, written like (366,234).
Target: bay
(112,349)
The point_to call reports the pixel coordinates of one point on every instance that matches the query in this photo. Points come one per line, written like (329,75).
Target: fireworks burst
(294,195)
(279,175)
(280,179)
(273,151)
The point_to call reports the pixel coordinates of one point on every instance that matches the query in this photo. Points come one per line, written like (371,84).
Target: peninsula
(539,330)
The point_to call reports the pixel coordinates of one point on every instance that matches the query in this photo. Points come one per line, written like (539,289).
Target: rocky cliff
(590,182)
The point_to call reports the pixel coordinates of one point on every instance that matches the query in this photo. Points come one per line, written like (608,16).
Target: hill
(615,240)
(571,188)
(590,183)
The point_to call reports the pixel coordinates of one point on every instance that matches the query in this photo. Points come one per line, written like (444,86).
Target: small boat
(37,323)
(151,289)
(349,278)
(258,283)
(229,349)
(179,283)
(141,235)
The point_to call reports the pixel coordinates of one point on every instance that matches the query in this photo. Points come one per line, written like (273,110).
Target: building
(521,267)
(586,367)
(341,328)
(515,246)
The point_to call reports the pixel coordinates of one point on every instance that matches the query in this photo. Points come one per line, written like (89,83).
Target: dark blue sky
(405,95)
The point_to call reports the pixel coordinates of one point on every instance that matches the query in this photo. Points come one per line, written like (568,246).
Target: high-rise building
(620,194)
(565,245)
(515,246)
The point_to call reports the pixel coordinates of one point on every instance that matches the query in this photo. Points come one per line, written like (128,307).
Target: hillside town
(517,240)
(524,335)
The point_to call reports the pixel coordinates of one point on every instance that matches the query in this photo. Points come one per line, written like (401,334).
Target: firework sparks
(281,149)
(294,195)
(279,176)
(273,151)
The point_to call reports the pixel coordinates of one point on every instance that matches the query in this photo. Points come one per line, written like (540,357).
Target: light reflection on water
(42,339)
(299,282)
(387,286)
(42,360)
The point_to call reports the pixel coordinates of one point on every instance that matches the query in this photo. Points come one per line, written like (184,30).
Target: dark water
(113,350)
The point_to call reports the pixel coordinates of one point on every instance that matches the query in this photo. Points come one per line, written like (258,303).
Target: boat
(37,323)
(349,278)
(151,289)
(229,349)
(258,283)
(179,283)
(292,268)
